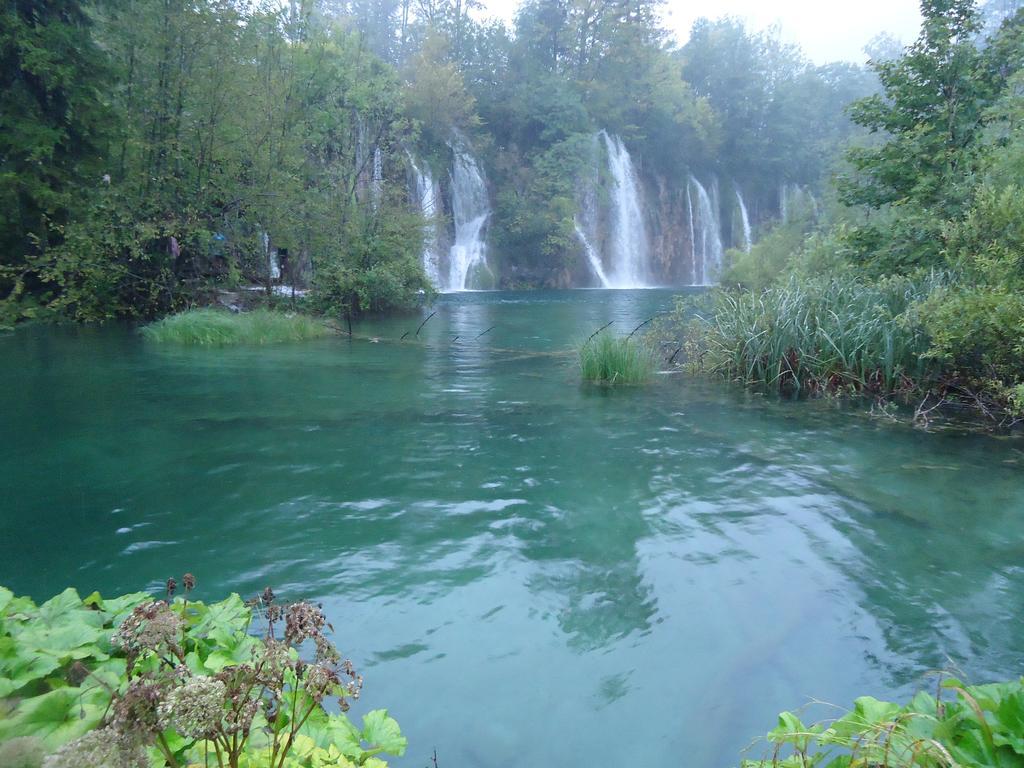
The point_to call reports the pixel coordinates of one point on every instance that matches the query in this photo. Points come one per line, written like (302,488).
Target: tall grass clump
(214,327)
(810,336)
(610,360)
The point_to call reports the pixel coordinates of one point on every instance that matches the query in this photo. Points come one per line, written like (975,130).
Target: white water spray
(467,263)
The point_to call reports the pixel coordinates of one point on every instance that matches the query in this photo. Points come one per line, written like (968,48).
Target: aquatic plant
(813,336)
(981,725)
(214,327)
(612,360)
(137,681)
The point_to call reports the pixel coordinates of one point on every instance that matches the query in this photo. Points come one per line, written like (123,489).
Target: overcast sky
(827,30)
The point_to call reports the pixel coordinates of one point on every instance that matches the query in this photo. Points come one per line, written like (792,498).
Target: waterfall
(273,265)
(592,256)
(468,266)
(694,279)
(611,229)
(629,249)
(377,183)
(705,234)
(796,202)
(426,193)
(745,221)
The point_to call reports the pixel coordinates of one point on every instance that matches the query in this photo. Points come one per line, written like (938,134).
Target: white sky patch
(826,30)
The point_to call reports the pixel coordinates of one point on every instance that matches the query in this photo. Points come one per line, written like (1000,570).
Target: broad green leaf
(56,717)
(382,732)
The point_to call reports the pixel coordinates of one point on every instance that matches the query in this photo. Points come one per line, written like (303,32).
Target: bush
(215,327)
(610,360)
(133,680)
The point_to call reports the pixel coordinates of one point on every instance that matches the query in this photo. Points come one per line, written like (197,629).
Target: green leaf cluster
(980,725)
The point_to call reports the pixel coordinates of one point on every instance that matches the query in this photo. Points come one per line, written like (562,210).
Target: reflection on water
(521,565)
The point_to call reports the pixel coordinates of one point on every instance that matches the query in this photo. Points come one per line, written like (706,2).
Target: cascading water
(592,256)
(629,248)
(705,234)
(427,194)
(622,262)
(467,262)
(377,183)
(744,221)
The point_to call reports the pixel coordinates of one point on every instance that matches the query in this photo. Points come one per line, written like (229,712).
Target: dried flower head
(195,709)
(189,582)
(137,710)
(268,596)
(302,621)
(102,748)
(171,586)
(151,626)
(321,681)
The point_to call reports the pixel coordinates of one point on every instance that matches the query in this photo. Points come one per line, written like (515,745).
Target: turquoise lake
(526,569)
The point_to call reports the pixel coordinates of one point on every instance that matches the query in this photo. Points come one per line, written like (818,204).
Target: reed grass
(214,327)
(820,335)
(610,360)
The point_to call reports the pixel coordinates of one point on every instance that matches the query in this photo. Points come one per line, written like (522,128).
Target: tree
(54,127)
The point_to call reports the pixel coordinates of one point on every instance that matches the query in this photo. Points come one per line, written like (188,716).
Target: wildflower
(102,748)
(194,709)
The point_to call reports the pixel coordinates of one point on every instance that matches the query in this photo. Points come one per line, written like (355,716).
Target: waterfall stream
(613,232)
(745,221)
(705,233)
(426,194)
(467,263)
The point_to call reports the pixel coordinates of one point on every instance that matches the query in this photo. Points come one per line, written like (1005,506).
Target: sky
(827,30)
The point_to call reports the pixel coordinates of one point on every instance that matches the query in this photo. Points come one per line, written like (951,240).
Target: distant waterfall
(745,221)
(377,181)
(467,263)
(426,195)
(796,202)
(612,231)
(705,233)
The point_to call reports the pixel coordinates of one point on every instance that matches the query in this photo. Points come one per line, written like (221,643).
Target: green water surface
(527,570)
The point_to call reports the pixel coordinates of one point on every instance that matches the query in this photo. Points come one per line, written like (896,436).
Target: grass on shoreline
(814,336)
(214,327)
(609,360)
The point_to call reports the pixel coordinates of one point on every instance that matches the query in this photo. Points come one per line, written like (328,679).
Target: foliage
(215,327)
(54,124)
(813,336)
(375,268)
(979,725)
(103,682)
(611,360)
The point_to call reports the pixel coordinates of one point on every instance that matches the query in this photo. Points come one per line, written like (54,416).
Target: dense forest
(153,151)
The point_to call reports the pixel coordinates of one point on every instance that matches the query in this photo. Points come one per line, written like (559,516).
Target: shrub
(214,327)
(610,360)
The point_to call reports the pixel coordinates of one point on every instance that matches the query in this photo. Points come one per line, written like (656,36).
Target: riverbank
(843,337)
